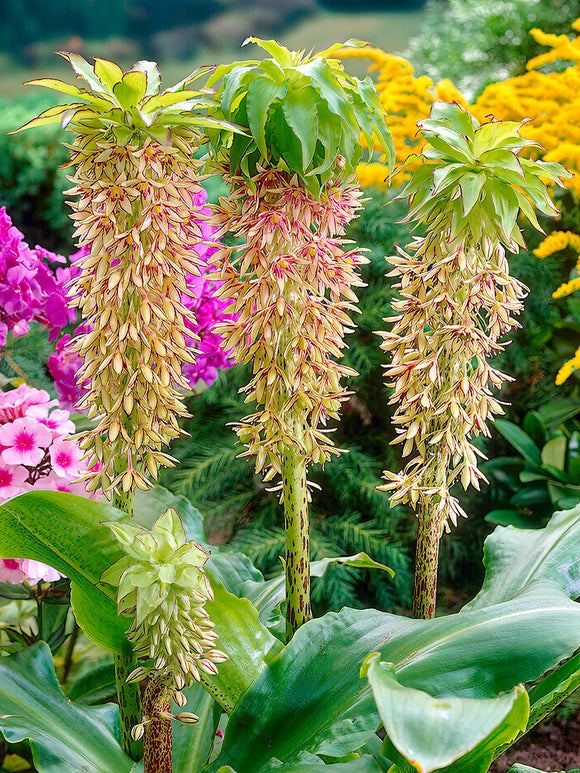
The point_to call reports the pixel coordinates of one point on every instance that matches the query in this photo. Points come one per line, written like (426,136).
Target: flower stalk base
(129,698)
(158,737)
(430,529)
(298,610)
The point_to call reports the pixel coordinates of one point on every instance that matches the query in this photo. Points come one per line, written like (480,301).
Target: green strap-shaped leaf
(520,440)
(65,531)
(431,733)
(64,737)
(310,697)
(516,558)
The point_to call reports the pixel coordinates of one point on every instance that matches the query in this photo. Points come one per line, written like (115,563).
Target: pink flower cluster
(64,363)
(36,451)
(29,289)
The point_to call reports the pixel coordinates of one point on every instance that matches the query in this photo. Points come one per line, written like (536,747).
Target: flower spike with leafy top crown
(135,180)
(457,301)
(292,193)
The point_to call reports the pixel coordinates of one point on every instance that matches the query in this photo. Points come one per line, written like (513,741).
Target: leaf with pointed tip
(516,558)
(520,440)
(496,134)
(470,186)
(279,53)
(167,99)
(267,596)
(151,70)
(64,736)
(52,115)
(431,733)
(84,70)
(108,72)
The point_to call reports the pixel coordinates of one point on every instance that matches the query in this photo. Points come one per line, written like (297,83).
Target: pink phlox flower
(53,482)
(65,456)
(12,480)
(16,403)
(58,422)
(35,571)
(11,570)
(25,442)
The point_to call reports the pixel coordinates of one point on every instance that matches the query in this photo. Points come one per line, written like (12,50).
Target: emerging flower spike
(134,182)
(162,585)
(457,301)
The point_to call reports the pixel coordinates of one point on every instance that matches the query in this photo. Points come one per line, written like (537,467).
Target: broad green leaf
(363,764)
(64,736)
(470,185)
(508,518)
(317,703)
(248,643)
(65,532)
(108,73)
(192,745)
(458,119)
(520,440)
(431,733)
(131,89)
(96,685)
(516,558)
(299,106)
(278,52)
(268,595)
(558,411)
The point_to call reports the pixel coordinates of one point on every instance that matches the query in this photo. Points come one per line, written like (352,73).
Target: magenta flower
(25,442)
(65,456)
(12,479)
(57,422)
(11,570)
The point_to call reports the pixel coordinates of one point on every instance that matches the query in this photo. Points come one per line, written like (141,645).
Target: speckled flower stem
(128,694)
(129,697)
(296,523)
(429,533)
(157,738)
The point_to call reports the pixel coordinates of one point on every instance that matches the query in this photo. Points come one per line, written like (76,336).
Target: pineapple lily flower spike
(293,192)
(457,301)
(134,182)
(135,177)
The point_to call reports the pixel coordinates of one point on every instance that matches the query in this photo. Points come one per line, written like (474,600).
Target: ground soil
(553,747)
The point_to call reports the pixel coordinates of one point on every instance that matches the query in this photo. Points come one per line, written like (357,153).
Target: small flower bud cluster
(457,301)
(162,585)
(134,212)
(291,285)
(36,452)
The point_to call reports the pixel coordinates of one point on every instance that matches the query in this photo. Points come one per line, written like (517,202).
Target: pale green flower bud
(162,585)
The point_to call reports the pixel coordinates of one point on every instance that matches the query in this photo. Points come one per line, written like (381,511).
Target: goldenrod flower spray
(293,192)
(457,301)
(135,177)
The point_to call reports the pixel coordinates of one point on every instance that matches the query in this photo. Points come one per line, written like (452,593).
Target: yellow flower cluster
(551,100)
(406,99)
